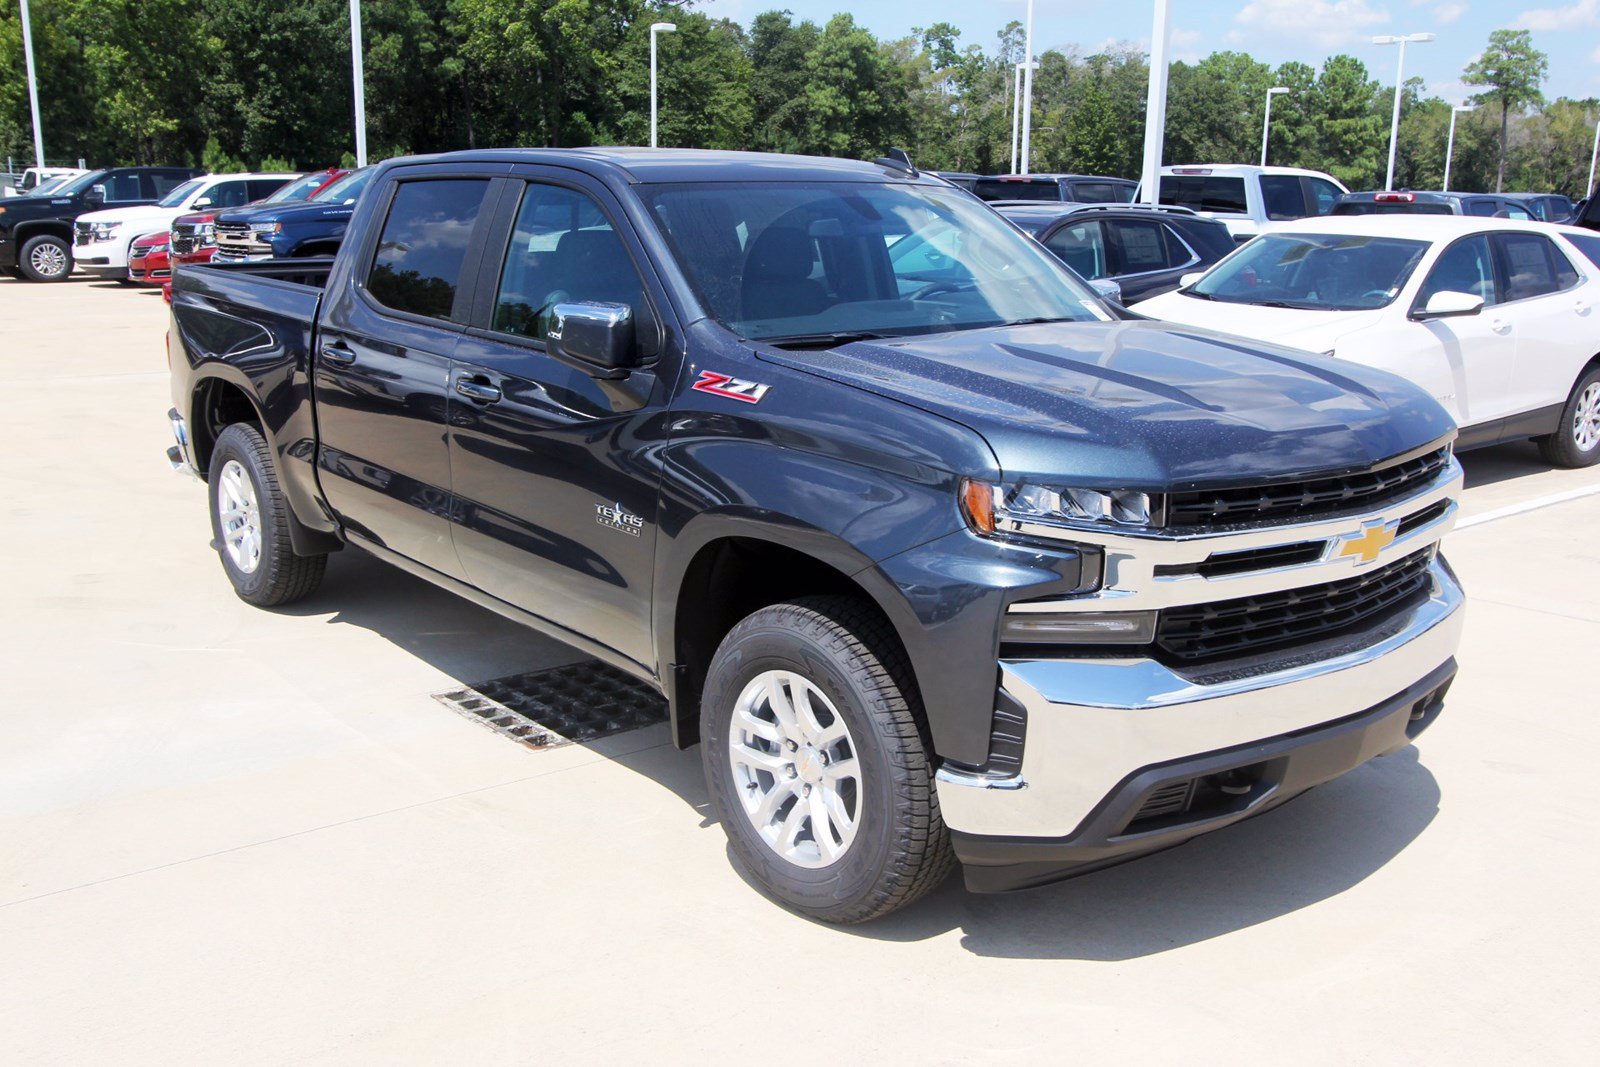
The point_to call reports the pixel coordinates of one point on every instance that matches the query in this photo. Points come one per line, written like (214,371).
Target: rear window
(1204,193)
(1017,189)
(1102,192)
(1369,207)
(423,244)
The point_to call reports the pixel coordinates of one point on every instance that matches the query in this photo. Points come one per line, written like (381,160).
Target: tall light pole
(1155,107)
(1399,90)
(1027,93)
(1016,113)
(1450,145)
(1593,157)
(656,28)
(1266,122)
(358,74)
(33,88)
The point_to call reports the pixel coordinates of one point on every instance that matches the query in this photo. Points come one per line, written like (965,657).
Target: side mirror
(1190,278)
(204,201)
(1448,305)
(598,338)
(1108,289)
(95,195)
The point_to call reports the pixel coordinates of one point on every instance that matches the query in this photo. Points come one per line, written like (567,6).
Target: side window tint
(162,184)
(122,187)
(1465,267)
(1482,208)
(229,194)
(1081,246)
(423,244)
(563,250)
(1589,246)
(1283,196)
(1324,194)
(261,188)
(1143,246)
(1224,195)
(1529,265)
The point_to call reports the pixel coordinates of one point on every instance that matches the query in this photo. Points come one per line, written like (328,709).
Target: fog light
(1079,627)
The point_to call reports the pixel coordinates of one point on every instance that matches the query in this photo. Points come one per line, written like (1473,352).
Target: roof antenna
(898,159)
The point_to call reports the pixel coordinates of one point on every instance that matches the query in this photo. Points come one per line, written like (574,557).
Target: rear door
(382,368)
(1147,258)
(1552,317)
(555,485)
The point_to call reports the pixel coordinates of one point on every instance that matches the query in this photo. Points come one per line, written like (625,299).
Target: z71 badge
(616,517)
(732,388)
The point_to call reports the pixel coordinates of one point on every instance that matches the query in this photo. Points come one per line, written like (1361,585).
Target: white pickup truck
(1245,198)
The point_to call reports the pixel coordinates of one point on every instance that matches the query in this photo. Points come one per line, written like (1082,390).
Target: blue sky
(1270,30)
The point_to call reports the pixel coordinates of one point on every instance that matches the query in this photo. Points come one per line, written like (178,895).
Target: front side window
(177,196)
(1533,266)
(1465,267)
(423,245)
(1081,246)
(563,250)
(1283,197)
(122,188)
(1313,272)
(1324,194)
(806,260)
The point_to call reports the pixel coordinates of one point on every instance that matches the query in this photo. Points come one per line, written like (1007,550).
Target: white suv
(101,239)
(1245,198)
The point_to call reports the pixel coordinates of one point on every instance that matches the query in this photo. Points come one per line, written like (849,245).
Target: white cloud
(1582,13)
(1329,23)
(1450,11)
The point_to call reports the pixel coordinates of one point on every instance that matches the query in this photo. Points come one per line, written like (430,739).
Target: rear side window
(1204,193)
(1008,189)
(1532,265)
(162,183)
(1482,208)
(1081,246)
(423,245)
(229,194)
(1324,194)
(563,250)
(1141,246)
(1283,196)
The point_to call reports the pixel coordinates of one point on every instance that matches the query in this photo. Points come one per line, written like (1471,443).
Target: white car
(33,179)
(1246,198)
(1494,318)
(101,239)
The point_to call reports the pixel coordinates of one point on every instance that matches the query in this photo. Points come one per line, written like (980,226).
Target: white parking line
(1528,505)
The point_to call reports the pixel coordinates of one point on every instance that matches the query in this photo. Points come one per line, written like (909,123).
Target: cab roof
(652,165)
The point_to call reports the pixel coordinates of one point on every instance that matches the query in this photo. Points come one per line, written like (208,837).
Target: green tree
(1513,70)
(1351,143)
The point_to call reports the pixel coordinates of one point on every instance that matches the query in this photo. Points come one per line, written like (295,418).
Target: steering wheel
(1375,294)
(935,288)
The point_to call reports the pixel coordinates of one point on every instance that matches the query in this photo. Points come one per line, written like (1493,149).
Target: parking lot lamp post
(33,88)
(1450,145)
(1266,122)
(1016,114)
(1155,107)
(1593,157)
(1027,93)
(1399,89)
(655,29)
(358,75)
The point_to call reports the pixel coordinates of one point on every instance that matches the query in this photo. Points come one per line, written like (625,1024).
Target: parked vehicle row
(37,232)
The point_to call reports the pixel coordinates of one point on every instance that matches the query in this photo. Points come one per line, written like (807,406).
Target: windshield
(346,190)
(48,186)
(1316,272)
(792,261)
(80,183)
(180,194)
(299,189)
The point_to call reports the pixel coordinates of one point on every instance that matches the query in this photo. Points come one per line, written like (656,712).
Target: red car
(150,260)
(194,241)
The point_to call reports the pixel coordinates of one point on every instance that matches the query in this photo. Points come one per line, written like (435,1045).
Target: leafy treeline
(257,82)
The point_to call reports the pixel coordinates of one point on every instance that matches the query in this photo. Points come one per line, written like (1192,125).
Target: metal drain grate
(578,702)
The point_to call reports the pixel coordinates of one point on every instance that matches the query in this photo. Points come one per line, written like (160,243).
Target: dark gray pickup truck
(937,556)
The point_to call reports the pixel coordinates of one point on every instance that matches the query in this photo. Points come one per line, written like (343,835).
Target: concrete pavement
(229,835)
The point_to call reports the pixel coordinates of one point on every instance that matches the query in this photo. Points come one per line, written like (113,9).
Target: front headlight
(102,231)
(265,229)
(1054,512)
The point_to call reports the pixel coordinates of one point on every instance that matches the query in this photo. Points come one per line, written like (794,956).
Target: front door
(554,472)
(1467,362)
(383,366)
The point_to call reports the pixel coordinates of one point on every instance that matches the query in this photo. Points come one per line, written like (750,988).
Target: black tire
(1561,449)
(279,576)
(39,247)
(901,849)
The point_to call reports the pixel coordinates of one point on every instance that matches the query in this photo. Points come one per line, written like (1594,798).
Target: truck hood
(1142,405)
(288,213)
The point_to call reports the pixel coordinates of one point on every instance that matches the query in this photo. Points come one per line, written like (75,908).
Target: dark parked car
(1068,188)
(1547,207)
(1407,202)
(36,231)
(1145,250)
(959,178)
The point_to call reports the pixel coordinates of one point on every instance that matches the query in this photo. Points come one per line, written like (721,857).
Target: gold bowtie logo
(1371,539)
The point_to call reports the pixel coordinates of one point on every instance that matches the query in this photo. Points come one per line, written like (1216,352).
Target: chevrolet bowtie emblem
(1365,543)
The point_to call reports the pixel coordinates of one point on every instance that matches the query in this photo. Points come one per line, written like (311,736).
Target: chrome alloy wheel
(795,769)
(239,516)
(1586,419)
(48,259)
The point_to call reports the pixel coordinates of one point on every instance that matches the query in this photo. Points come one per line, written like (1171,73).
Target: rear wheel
(45,259)
(250,522)
(815,763)
(1576,442)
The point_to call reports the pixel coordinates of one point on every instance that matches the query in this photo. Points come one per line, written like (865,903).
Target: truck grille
(1307,499)
(1256,623)
(235,239)
(187,237)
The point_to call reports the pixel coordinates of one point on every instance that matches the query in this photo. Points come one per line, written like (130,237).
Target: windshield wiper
(821,340)
(1034,321)
(1197,294)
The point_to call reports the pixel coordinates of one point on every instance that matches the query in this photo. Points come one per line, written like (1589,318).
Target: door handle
(481,391)
(337,353)
(1581,307)
(1500,326)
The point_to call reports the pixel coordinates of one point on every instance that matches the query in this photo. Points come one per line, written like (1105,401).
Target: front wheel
(1576,442)
(250,522)
(45,259)
(815,764)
